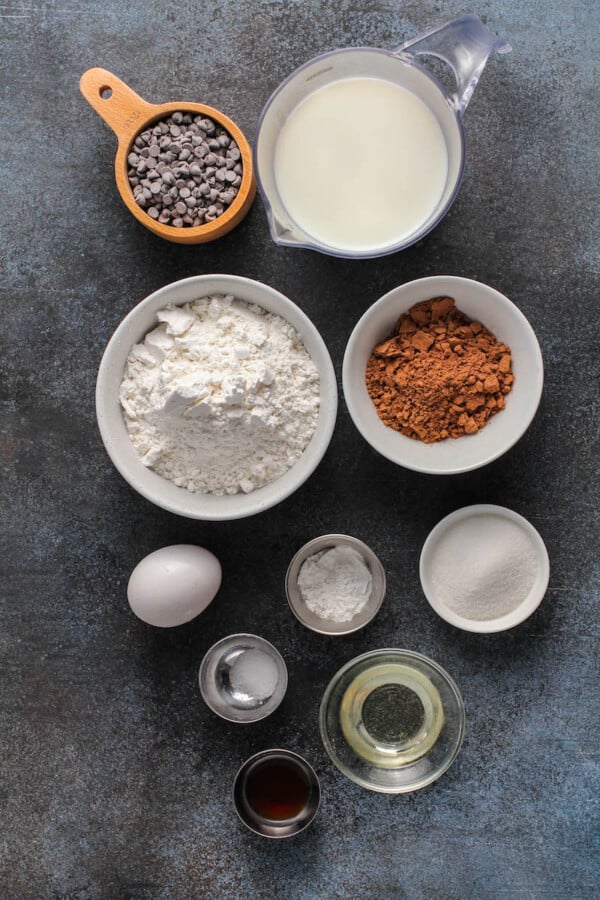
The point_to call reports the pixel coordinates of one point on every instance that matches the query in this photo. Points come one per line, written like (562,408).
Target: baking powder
(335,584)
(221,397)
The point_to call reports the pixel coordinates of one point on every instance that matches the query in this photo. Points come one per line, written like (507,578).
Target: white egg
(173,585)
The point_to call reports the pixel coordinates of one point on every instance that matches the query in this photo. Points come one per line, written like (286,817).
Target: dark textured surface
(115,777)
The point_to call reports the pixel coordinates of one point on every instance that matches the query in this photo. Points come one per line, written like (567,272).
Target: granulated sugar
(483,567)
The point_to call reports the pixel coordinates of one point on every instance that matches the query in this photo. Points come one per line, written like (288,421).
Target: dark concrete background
(115,777)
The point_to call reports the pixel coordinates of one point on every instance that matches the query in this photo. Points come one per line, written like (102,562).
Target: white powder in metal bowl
(335,584)
(221,397)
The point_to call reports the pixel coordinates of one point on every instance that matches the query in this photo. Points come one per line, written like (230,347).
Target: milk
(361,164)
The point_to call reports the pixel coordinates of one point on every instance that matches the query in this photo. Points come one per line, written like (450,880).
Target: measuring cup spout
(283,233)
(465,44)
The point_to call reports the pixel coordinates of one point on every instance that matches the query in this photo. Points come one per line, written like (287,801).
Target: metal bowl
(281,828)
(220,685)
(311,619)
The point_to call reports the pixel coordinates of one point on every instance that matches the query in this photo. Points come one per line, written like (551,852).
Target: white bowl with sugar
(484,568)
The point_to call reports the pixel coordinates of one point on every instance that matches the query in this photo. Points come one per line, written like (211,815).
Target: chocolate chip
(181,163)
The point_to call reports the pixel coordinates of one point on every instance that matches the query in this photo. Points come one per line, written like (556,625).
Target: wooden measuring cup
(128,115)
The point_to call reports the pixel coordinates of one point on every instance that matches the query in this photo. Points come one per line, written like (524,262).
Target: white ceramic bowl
(449,457)
(111,423)
(529,603)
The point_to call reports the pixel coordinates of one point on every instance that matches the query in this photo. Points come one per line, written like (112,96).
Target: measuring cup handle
(115,102)
(465,44)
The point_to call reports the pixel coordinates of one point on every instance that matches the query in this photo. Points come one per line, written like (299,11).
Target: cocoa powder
(440,374)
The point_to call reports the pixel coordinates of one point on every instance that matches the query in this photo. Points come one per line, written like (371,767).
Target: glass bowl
(385,762)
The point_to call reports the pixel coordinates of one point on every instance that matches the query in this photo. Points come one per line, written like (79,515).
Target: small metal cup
(327,626)
(216,686)
(280,828)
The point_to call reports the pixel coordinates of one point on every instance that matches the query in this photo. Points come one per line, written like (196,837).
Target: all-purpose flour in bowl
(221,397)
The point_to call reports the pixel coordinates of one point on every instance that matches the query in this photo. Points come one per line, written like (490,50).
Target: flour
(335,584)
(221,397)
(483,567)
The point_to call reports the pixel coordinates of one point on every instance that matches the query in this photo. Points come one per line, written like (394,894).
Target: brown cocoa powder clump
(440,374)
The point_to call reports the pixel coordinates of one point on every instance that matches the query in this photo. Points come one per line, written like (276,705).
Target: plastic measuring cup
(465,44)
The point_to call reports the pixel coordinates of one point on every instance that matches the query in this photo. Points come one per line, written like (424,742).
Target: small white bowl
(151,485)
(452,456)
(527,606)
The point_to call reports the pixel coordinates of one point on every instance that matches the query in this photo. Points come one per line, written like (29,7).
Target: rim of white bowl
(527,606)
(392,296)
(318,444)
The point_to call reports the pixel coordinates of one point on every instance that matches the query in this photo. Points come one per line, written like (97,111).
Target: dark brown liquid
(277,789)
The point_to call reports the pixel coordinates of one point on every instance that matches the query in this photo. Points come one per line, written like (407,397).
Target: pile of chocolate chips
(185,170)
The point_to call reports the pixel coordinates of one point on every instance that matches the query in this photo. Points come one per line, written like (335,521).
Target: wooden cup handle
(115,102)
